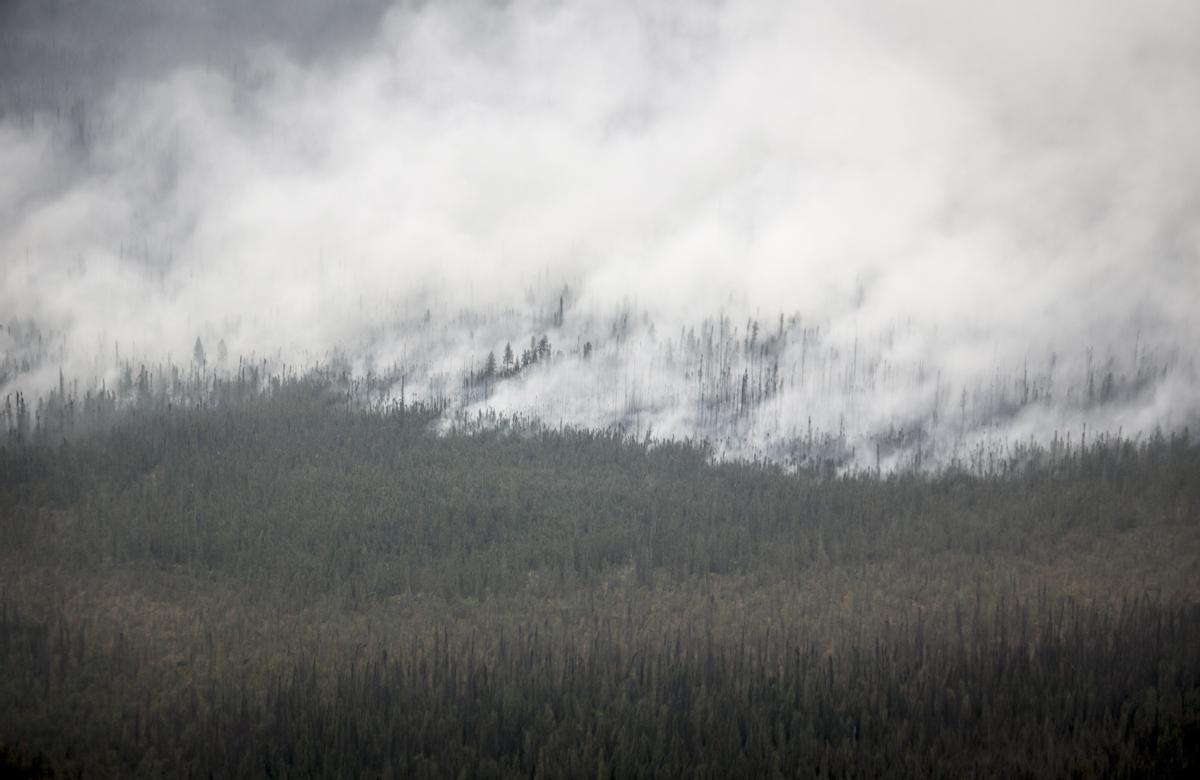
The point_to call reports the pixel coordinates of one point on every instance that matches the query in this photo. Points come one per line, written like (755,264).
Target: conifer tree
(198,356)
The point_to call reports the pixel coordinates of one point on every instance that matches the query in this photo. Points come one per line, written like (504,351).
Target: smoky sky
(965,186)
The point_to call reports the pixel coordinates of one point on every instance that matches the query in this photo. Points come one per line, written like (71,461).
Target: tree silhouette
(198,356)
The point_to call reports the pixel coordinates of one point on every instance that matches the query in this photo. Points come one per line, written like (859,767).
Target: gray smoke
(954,206)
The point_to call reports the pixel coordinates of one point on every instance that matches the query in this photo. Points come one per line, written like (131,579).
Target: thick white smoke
(966,199)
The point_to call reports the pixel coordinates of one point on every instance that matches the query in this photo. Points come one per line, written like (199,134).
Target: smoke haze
(970,220)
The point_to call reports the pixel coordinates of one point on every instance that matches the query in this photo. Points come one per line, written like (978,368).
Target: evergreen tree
(198,356)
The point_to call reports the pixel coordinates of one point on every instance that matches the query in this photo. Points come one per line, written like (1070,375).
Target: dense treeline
(286,583)
(336,497)
(790,391)
(1020,692)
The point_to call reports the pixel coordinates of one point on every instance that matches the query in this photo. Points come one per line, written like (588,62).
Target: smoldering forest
(556,388)
(914,234)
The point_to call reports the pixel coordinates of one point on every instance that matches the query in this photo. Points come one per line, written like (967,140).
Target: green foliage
(283,583)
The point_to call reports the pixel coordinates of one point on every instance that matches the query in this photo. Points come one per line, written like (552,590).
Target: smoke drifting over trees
(940,222)
(541,388)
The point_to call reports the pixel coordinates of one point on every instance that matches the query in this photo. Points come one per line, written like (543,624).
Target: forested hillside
(287,584)
(547,388)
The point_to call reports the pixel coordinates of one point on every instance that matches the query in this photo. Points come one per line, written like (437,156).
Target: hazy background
(944,200)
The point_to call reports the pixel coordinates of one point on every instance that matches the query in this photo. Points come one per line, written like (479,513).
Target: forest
(783,388)
(569,388)
(277,579)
